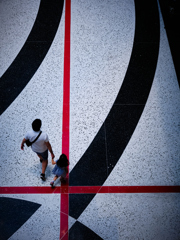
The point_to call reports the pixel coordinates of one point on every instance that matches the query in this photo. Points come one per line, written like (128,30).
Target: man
(40,146)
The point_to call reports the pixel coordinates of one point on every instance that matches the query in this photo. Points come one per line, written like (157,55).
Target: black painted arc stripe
(108,145)
(32,53)
(81,232)
(78,204)
(171,15)
(14,213)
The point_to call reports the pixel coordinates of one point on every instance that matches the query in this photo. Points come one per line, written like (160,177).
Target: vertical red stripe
(65,121)
(64,216)
(66,87)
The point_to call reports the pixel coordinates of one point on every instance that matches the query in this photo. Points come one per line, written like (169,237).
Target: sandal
(52,184)
(43,177)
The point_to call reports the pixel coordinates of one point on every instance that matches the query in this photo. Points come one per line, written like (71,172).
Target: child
(61,168)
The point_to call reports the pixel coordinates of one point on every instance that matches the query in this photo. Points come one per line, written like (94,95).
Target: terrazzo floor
(102,75)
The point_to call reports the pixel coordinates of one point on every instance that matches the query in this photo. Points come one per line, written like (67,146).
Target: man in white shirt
(40,146)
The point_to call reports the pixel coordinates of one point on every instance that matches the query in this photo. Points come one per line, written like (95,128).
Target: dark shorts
(44,155)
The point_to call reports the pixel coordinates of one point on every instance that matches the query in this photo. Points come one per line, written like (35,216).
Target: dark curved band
(108,145)
(32,53)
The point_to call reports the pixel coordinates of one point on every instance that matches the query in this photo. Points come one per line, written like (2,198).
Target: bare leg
(55,178)
(52,183)
(44,163)
(44,166)
(41,159)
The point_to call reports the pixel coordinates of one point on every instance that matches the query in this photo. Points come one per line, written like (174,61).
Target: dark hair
(36,125)
(63,161)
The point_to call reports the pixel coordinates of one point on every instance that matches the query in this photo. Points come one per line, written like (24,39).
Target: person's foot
(43,177)
(52,184)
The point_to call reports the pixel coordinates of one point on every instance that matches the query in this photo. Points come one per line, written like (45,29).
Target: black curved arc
(108,145)
(13,214)
(81,232)
(32,53)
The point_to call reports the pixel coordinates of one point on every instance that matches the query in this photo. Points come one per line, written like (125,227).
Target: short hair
(36,125)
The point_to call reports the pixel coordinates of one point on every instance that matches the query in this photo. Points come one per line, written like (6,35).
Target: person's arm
(50,149)
(53,162)
(22,144)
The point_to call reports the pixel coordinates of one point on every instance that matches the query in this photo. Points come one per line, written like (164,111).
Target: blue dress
(59,171)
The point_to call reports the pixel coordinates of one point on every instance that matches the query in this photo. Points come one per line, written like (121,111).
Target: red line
(66,87)
(65,121)
(124,189)
(29,190)
(66,190)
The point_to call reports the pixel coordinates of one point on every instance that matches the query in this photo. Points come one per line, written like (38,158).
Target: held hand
(53,162)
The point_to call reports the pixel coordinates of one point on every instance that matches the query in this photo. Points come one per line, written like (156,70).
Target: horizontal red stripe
(89,189)
(29,190)
(123,189)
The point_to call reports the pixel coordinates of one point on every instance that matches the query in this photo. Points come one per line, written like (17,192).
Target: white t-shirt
(39,146)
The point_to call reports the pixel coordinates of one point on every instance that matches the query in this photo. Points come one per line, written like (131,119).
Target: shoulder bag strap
(36,137)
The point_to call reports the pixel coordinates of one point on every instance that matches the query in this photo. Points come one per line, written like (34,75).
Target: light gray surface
(134,216)
(102,34)
(17,18)
(152,155)
(41,98)
(45,222)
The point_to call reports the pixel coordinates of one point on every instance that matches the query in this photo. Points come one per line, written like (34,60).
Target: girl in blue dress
(61,168)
